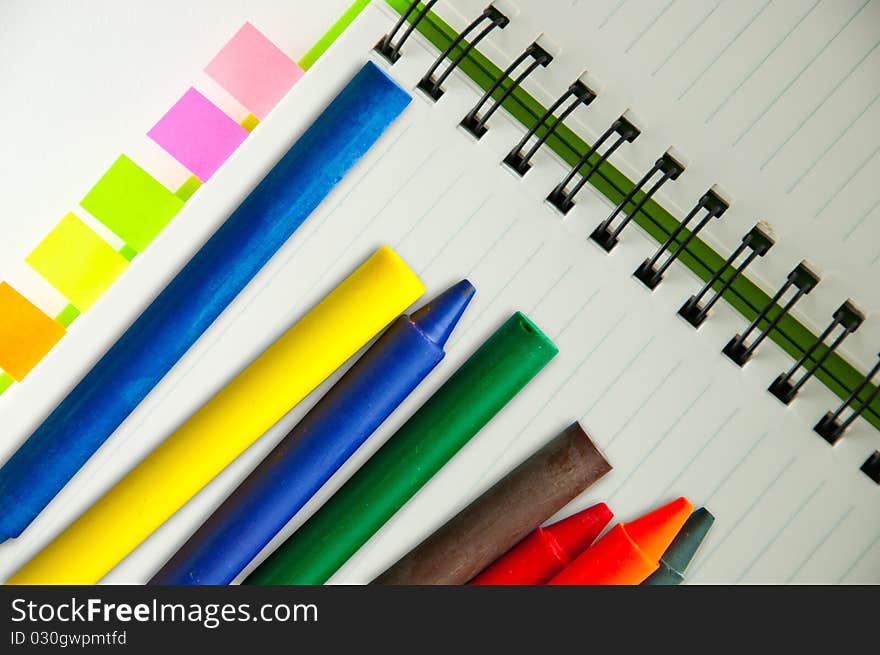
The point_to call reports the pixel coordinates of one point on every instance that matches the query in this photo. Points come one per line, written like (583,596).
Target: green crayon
(682,549)
(476,392)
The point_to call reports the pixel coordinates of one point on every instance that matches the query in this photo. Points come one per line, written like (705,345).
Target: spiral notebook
(756,123)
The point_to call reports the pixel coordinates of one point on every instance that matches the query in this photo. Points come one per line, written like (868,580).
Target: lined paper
(672,415)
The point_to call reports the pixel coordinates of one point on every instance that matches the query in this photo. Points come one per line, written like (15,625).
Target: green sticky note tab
(332,34)
(67,315)
(185,191)
(132,203)
(76,261)
(128,252)
(5,381)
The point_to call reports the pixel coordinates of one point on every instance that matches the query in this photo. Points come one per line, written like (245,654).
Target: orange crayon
(629,552)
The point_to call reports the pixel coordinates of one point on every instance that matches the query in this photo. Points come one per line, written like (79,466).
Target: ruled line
(687,410)
(648,27)
(612,14)
(724,424)
(798,76)
(818,107)
(457,232)
(859,559)
(509,444)
(832,143)
(440,197)
(861,220)
(617,377)
(763,61)
(551,289)
(571,321)
(743,516)
(724,50)
(736,466)
(642,405)
(846,182)
(781,530)
(498,240)
(819,545)
(686,38)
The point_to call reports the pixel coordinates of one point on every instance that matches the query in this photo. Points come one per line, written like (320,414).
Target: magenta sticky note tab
(198,134)
(254,71)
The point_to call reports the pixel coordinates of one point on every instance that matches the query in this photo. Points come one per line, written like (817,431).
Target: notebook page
(776,102)
(652,395)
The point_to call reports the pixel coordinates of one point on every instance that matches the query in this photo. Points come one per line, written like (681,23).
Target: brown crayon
(512,508)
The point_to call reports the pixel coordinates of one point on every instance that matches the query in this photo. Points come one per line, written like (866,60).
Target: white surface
(673,416)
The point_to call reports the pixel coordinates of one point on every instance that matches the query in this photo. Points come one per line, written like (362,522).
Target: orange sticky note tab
(26,333)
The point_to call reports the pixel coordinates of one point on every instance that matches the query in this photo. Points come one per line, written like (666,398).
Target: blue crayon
(179,315)
(319,444)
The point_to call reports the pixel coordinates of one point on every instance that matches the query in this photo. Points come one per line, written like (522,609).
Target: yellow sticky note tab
(250,122)
(26,333)
(77,262)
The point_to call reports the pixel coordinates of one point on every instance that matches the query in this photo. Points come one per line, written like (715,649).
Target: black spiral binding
(476,124)
(849,318)
(801,278)
(392,51)
(431,85)
(714,207)
(564,200)
(831,427)
(758,242)
(668,168)
(871,467)
(579,94)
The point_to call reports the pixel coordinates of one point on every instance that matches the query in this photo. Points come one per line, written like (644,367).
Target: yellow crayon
(285,373)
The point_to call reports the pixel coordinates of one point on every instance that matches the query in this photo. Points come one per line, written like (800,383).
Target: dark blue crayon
(319,444)
(179,315)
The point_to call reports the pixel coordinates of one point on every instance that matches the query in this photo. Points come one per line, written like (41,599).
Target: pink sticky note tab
(198,134)
(254,71)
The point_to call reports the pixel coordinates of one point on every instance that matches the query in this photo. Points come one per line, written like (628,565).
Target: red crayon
(546,551)
(629,552)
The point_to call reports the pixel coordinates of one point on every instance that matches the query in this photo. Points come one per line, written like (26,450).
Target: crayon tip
(654,532)
(577,532)
(688,540)
(438,317)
